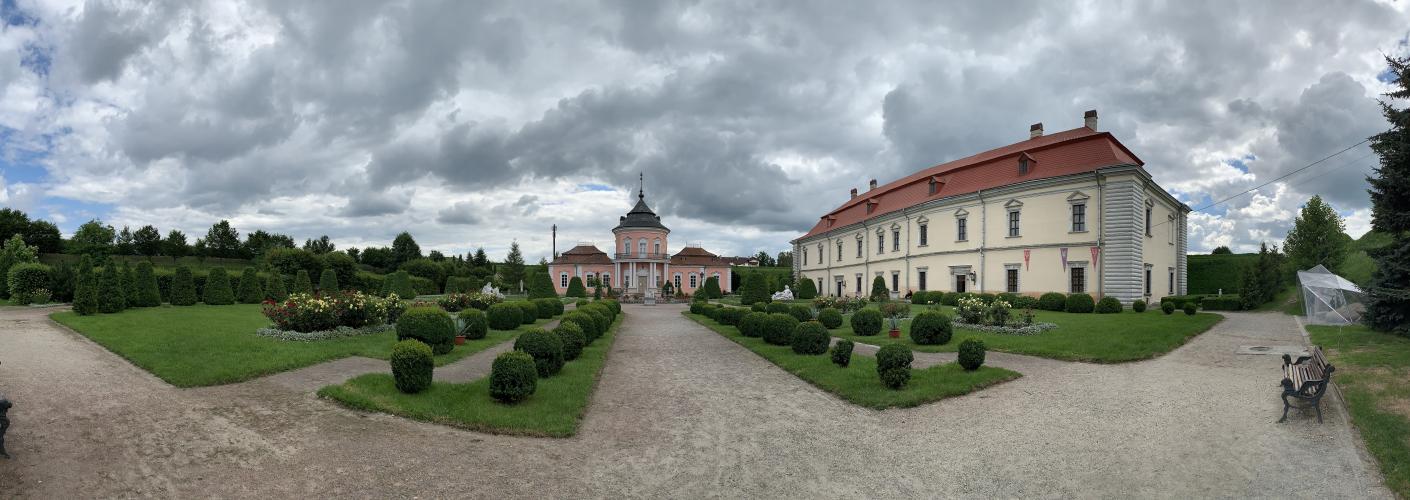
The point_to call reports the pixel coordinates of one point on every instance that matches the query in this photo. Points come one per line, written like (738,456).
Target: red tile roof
(696,256)
(1064,153)
(583,254)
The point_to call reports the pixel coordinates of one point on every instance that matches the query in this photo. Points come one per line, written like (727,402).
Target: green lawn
(202,345)
(1372,370)
(859,383)
(1096,338)
(553,410)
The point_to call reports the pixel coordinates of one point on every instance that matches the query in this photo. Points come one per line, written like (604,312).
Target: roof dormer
(1026,163)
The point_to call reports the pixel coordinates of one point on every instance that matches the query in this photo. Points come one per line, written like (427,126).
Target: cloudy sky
(477,123)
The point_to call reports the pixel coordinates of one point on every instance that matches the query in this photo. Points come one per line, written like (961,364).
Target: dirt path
(681,411)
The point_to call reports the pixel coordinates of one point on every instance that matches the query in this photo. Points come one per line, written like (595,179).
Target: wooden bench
(1305,380)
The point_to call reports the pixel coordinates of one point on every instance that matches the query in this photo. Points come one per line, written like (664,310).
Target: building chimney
(872,184)
(854,192)
(1090,119)
(1035,131)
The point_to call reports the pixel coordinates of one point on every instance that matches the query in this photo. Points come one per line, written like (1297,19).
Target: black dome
(641,216)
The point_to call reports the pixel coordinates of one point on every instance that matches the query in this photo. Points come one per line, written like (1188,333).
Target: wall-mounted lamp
(973,278)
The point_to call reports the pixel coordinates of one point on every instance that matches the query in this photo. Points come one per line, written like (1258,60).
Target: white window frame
(563,279)
(694,283)
(1013,219)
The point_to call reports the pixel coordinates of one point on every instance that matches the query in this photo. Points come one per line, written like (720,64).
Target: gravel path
(683,412)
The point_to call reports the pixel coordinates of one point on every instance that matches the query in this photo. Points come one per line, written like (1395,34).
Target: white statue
(786,294)
(491,290)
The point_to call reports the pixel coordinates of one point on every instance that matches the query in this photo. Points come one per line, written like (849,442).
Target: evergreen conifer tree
(218,291)
(275,289)
(711,289)
(541,286)
(251,290)
(512,272)
(754,289)
(1318,236)
(879,293)
(149,294)
(302,284)
(805,289)
(183,288)
(85,292)
(111,298)
(328,282)
(1388,296)
(576,288)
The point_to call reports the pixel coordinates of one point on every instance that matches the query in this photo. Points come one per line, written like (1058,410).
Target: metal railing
(646,256)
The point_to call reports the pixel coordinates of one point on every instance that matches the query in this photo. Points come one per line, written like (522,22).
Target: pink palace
(642,259)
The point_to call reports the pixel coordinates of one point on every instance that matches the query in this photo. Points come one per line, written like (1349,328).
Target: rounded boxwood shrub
(27,278)
(759,307)
(546,349)
(893,365)
(1024,302)
(1079,303)
(412,366)
(183,288)
(800,311)
(950,298)
(1108,305)
(809,337)
(866,322)
(1007,297)
(430,325)
(778,329)
(1190,308)
(528,312)
(971,354)
(730,315)
(571,335)
(931,328)
(1052,301)
(776,307)
(752,324)
(218,291)
(698,306)
(504,316)
(987,298)
(1167,307)
(547,308)
(584,322)
(830,317)
(473,324)
(842,353)
(612,304)
(513,377)
(581,303)
(599,319)
(920,297)
(1139,306)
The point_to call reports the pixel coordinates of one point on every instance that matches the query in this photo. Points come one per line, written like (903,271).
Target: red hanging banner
(1026,253)
(1095,250)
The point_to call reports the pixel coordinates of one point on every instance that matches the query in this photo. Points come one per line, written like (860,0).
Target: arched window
(563,280)
(641,247)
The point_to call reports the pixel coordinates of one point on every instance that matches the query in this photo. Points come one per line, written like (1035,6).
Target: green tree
(218,292)
(1388,296)
(183,288)
(175,244)
(110,294)
(765,260)
(785,259)
(222,240)
(1261,281)
(710,289)
(275,289)
(14,252)
(85,289)
(251,291)
(404,249)
(302,283)
(541,286)
(44,235)
(149,294)
(130,291)
(480,259)
(147,241)
(328,282)
(805,289)
(754,289)
(1221,250)
(13,222)
(324,245)
(123,245)
(93,238)
(1318,236)
(879,292)
(512,272)
(576,288)
(259,242)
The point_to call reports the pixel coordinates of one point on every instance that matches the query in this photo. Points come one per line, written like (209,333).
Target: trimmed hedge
(1108,305)
(183,288)
(110,293)
(575,288)
(25,279)
(800,311)
(866,322)
(85,292)
(931,328)
(600,319)
(730,315)
(584,322)
(250,290)
(1167,307)
(1139,306)
(328,282)
(513,377)
(842,353)
(412,366)
(1052,301)
(778,329)
(1226,302)
(753,324)
(302,283)
(1079,303)
(830,317)
(893,365)
(274,289)
(473,324)
(218,291)
(571,335)
(546,349)
(950,298)
(504,316)
(810,338)
(777,308)
(759,307)
(547,308)
(971,354)
(1190,308)
(149,294)
(528,311)
(430,325)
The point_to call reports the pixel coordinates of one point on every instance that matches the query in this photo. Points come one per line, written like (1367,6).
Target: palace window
(859,248)
(961,232)
(821,259)
(934,186)
(805,256)
(1172,282)
(1148,220)
(895,281)
(657,247)
(1013,223)
(880,242)
(920,279)
(563,280)
(677,281)
(1079,280)
(1011,283)
(1148,281)
(895,240)
(627,246)
(607,280)
(839,251)
(1079,217)
(692,280)
(641,248)
(1022,166)
(924,234)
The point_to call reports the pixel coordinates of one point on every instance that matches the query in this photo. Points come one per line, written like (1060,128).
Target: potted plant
(459,340)
(895,311)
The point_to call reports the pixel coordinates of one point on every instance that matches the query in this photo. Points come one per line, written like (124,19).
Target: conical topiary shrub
(218,291)
(302,284)
(328,282)
(250,290)
(129,285)
(110,294)
(711,289)
(183,288)
(85,291)
(275,290)
(149,294)
(576,288)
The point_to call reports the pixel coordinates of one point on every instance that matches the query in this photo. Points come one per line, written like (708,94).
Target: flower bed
(309,313)
(1031,329)
(336,332)
(456,302)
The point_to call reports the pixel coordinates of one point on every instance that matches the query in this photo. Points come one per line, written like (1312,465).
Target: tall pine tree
(1388,297)
(512,272)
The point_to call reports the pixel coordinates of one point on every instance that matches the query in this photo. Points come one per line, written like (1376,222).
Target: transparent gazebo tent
(1329,299)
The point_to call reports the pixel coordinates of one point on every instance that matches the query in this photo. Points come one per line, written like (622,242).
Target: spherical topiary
(528,312)
(809,337)
(1190,308)
(759,307)
(778,329)
(842,353)
(1139,306)
(473,324)
(412,366)
(971,354)
(599,318)
(866,322)
(950,298)
(1079,303)
(607,312)
(776,307)
(1108,305)
(893,365)
(1167,307)
(581,303)
(730,315)
(1052,301)
(547,308)
(513,377)
(800,311)
(504,316)
(931,328)
(218,292)
(584,322)
(614,305)
(573,339)
(753,324)
(545,347)
(431,325)
(830,317)
(698,306)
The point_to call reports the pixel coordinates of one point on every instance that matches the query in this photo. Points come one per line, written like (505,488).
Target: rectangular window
(805,256)
(692,280)
(859,249)
(563,280)
(1148,221)
(1172,283)
(880,242)
(961,232)
(895,240)
(678,282)
(1148,281)
(1079,217)
(1079,280)
(1012,281)
(959,283)
(895,282)
(859,284)
(920,279)
(1022,166)
(924,235)
(839,251)
(1013,223)
(933,186)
